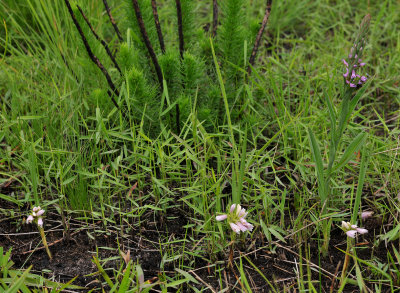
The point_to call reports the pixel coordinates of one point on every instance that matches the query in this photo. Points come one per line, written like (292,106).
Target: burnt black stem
(112,20)
(181,50)
(99,39)
(147,43)
(93,57)
(259,35)
(158,26)
(215,18)
(180,27)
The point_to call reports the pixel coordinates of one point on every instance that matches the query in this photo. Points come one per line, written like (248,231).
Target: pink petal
(353,85)
(345,63)
(353,74)
(347,73)
(233,206)
(246,224)
(238,209)
(346,225)
(362,64)
(221,217)
(40,222)
(235,227)
(249,226)
(35,209)
(242,213)
(351,233)
(242,227)
(362,230)
(29,219)
(39,213)
(366,215)
(363,79)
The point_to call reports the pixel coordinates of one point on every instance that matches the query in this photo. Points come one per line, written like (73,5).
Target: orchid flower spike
(236,219)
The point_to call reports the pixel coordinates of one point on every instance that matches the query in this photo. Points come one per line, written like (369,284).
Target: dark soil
(73,254)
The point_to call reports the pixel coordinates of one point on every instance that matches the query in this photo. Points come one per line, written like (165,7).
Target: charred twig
(180,27)
(181,50)
(147,42)
(215,18)
(93,57)
(112,20)
(99,39)
(158,26)
(259,35)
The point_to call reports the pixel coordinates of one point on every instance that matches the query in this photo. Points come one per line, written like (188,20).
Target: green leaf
(19,282)
(187,275)
(361,178)
(318,165)
(125,280)
(354,146)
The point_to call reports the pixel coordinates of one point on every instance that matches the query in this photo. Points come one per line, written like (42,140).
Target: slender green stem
(41,230)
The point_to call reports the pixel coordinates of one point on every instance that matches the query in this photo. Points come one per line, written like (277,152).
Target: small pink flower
(236,219)
(29,219)
(361,230)
(346,225)
(40,222)
(39,213)
(235,228)
(366,215)
(347,73)
(363,79)
(221,217)
(242,227)
(351,233)
(352,230)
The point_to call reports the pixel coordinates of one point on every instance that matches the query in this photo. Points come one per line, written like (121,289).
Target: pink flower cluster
(36,214)
(236,219)
(352,230)
(352,78)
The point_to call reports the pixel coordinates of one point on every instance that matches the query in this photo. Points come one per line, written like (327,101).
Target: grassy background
(63,144)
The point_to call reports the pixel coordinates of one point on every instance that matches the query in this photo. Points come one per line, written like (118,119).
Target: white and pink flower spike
(236,219)
(352,230)
(36,216)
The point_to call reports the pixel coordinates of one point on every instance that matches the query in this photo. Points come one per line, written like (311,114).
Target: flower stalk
(36,217)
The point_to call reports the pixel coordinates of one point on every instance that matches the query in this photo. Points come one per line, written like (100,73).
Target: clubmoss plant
(160,79)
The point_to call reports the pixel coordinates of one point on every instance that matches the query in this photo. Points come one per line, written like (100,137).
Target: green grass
(64,146)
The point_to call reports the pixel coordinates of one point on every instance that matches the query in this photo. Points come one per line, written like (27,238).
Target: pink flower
(29,219)
(351,233)
(361,230)
(221,217)
(236,219)
(35,216)
(366,215)
(235,228)
(352,230)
